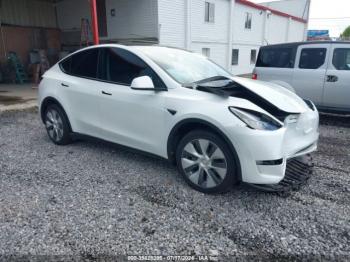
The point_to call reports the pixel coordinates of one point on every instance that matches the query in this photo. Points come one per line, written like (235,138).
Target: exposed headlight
(256,120)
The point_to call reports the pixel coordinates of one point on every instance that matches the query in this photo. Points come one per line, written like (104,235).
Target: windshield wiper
(220,85)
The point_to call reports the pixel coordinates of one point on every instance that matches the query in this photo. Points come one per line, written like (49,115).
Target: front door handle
(332,78)
(105,93)
(65,85)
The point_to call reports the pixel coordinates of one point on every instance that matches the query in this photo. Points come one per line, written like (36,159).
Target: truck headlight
(255,120)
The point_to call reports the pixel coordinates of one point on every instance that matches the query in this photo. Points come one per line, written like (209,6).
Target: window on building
(248,21)
(82,64)
(341,58)
(209,14)
(235,54)
(252,56)
(206,51)
(312,58)
(276,57)
(121,67)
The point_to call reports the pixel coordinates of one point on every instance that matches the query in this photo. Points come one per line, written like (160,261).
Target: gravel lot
(93,199)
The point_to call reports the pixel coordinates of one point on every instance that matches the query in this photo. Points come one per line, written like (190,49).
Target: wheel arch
(187,125)
(49,101)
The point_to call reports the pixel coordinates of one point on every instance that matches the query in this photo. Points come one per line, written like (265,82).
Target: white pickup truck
(317,71)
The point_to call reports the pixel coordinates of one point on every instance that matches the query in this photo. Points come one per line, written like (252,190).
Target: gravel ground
(92,199)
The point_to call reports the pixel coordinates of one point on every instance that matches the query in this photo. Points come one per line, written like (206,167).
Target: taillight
(254,76)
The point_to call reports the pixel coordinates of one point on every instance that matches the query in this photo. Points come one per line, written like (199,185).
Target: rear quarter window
(66,65)
(276,57)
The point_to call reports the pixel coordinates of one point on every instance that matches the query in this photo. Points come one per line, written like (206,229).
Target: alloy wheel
(54,125)
(204,163)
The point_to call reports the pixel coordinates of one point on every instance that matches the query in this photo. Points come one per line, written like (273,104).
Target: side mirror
(142,83)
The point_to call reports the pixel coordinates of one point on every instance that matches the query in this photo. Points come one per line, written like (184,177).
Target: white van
(317,71)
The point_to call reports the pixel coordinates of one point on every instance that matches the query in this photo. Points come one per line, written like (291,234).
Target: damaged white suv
(179,105)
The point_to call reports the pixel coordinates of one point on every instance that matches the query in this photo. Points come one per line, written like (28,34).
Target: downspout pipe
(230,34)
(94,22)
(188,25)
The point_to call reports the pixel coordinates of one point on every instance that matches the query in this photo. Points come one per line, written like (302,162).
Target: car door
(337,85)
(80,91)
(310,70)
(130,117)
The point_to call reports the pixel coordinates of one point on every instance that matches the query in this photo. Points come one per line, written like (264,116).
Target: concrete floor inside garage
(17,97)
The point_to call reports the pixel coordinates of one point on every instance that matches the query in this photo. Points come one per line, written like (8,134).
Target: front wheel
(206,162)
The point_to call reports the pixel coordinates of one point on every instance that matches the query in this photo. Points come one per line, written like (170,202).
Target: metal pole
(94,22)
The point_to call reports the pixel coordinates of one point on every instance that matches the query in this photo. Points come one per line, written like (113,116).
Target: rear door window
(276,57)
(312,58)
(341,58)
(84,64)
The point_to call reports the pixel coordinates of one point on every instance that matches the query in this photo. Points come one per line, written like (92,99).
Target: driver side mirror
(142,83)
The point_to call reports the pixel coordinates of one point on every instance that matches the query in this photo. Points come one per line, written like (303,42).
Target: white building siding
(202,31)
(171,19)
(276,29)
(218,52)
(296,31)
(133,19)
(244,62)
(241,35)
(298,8)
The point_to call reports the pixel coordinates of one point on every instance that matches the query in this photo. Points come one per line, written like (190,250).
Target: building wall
(172,18)
(22,40)
(180,23)
(133,18)
(276,29)
(266,29)
(296,31)
(70,13)
(202,31)
(298,8)
(31,13)
(244,36)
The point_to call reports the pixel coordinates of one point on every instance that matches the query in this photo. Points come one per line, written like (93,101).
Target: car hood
(277,95)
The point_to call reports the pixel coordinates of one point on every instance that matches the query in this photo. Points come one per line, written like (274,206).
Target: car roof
(296,44)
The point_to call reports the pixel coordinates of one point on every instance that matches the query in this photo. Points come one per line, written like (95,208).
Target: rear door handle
(332,78)
(105,93)
(65,85)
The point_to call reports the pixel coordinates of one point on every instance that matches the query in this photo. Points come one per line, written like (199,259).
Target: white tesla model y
(179,105)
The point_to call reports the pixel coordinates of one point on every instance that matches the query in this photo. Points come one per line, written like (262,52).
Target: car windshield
(183,66)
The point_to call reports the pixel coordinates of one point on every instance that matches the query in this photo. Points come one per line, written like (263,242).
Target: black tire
(62,124)
(184,158)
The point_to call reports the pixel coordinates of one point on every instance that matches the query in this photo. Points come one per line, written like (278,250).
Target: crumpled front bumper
(298,171)
(263,155)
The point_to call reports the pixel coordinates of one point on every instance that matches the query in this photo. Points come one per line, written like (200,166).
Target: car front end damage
(278,160)
(279,131)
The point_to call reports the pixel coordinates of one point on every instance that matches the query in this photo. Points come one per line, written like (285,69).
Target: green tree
(346,33)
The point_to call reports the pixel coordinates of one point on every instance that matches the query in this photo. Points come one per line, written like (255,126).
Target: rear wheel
(57,125)
(206,162)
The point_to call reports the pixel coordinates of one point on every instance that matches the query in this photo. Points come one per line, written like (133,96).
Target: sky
(332,15)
